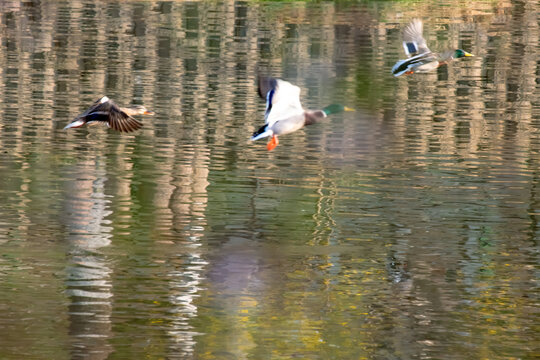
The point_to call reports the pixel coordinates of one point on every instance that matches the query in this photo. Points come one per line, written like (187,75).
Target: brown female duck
(105,111)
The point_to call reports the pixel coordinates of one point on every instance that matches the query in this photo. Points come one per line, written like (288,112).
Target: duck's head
(458,53)
(138,110)
(336,108)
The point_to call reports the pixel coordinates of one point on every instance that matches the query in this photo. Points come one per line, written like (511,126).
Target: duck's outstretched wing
(106,111)
(120,121)
(413,41)
(267,89)
(282,99)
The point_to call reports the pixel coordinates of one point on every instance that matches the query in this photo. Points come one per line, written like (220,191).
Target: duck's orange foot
(410,72)
(272,143)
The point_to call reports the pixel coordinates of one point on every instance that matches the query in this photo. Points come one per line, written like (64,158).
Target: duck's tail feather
(400,67)
(261,133)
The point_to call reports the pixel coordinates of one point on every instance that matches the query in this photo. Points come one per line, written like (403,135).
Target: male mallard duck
(420,58)
(106,111)
(284,113)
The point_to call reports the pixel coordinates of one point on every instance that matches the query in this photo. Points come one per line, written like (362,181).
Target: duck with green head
(420,58)
(284,112)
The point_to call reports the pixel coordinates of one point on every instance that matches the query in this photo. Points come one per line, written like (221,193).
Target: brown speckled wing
(120,121)
(110,113)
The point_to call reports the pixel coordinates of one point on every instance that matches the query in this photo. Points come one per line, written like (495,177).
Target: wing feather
(282,99)
(413,40)
(108,112)
(121,121)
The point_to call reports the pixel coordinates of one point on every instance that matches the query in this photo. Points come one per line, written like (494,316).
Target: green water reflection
(405,230)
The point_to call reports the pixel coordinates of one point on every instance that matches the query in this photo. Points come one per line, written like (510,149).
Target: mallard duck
(420,58)
(284,113)
(106,111)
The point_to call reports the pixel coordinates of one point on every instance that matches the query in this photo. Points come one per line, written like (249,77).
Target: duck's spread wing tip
(413,39)
(120,121)
(266,84)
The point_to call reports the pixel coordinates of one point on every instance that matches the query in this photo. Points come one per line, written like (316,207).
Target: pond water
(408,229)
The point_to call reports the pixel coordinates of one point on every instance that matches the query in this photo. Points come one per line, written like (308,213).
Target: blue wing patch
(412,48)
(269,97)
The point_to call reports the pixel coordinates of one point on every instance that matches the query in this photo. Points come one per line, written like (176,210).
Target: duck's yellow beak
(148,112)
(468,54)
(348,109)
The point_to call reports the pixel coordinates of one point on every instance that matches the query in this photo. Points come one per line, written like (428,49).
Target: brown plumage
(107,112)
